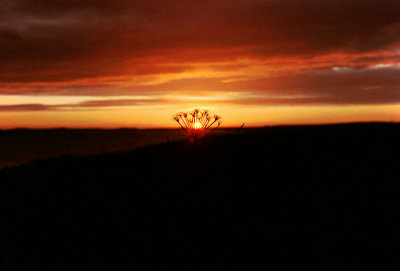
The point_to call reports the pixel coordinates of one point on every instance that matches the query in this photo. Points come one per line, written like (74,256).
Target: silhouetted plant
(197,124)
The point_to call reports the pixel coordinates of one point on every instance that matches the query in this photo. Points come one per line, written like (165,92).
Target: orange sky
(136,63)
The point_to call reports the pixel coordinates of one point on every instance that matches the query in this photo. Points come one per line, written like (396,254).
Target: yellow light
(197,125)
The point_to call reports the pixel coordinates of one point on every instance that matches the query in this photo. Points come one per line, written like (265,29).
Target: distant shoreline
(177,128)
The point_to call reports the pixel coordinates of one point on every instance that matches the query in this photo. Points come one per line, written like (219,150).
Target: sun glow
(197,124)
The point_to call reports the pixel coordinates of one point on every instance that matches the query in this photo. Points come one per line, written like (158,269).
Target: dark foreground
(283,198)
(21,146)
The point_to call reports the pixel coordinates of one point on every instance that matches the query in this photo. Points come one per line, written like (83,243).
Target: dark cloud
(334,86)
(24,107)
(319,52)
(378,59)
(50,8)
(365,97)
(47,40)
(368,86)
(83,105)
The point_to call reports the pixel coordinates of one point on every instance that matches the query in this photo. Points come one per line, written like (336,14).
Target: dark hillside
(283,198)
(21,146)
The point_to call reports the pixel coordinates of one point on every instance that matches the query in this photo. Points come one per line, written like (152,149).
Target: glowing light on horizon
(197,124)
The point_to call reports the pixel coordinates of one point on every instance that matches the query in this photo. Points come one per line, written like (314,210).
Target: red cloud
(121,47)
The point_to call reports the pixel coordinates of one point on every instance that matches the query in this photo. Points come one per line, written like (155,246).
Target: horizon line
(222,127)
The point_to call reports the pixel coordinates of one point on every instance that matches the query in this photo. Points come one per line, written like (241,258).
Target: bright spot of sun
(197,125)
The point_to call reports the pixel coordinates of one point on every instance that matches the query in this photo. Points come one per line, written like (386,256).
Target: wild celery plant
(197,124)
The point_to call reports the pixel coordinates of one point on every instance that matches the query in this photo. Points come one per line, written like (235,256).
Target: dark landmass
(279,198)
(21,146)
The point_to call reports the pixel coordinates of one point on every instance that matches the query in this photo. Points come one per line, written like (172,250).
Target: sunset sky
(126,63)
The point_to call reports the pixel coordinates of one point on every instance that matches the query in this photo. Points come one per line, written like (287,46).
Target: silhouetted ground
(280,198)
(21,146)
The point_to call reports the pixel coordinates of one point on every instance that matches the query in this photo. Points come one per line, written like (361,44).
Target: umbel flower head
(197,124)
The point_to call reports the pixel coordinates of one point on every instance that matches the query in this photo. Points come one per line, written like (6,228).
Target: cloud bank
(335,52)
